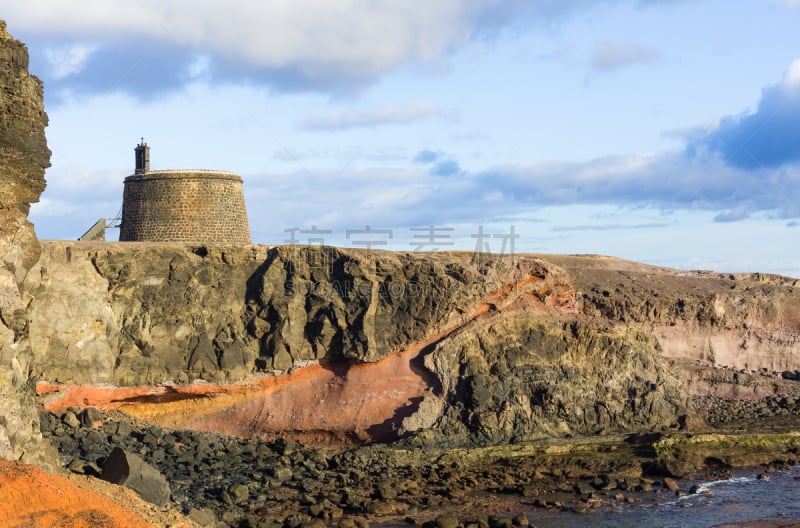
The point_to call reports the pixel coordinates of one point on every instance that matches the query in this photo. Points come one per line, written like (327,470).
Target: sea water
(741,498)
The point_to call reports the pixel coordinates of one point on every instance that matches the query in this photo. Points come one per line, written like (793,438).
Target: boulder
(127,469)
(671,484)
(69,419)
(204,517)
(90,416)
(446,521)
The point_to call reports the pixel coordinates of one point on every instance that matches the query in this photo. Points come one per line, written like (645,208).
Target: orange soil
(333,404)
(31,498)
(327,403)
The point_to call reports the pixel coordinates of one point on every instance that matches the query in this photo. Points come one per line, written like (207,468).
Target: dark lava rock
(69,419)
(446,521)
(90,416)
(130,470)
(497,521)
(46,422)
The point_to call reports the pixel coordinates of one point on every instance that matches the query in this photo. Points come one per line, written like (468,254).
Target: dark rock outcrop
(129,315)
(132,314)
(327,303)
(516,378)
(24,156)
(137,314)
(507,356)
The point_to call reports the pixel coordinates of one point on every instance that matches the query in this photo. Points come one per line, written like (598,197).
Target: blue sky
(662,131)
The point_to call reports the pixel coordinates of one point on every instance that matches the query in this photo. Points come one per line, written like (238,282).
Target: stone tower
(198,206)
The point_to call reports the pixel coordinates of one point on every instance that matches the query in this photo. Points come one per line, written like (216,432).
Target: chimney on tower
(142,158)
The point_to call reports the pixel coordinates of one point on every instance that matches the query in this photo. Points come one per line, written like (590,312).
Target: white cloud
(387,115)
(408,197)
(292,154)
(609,56)
(53,208)
(69,60)
(363,37)
(298,44)
(613,227)
(736,214)
(791,79)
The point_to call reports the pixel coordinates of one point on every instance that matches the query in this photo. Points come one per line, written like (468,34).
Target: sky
(660,131)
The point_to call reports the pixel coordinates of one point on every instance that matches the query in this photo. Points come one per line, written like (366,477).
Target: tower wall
(184,206)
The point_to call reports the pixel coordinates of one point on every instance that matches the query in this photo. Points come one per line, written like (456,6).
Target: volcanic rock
(24,156)
(447,349)
(130,470)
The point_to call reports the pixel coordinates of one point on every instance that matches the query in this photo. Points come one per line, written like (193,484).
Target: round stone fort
(200,206)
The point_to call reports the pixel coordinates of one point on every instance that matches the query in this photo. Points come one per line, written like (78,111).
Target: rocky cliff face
(732,335)
(445,347)
(740,321)
(477,351)
(524,376)
(24,155)
(134,314)
(23,159)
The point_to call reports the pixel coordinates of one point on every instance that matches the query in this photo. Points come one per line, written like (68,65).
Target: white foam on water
(733,480)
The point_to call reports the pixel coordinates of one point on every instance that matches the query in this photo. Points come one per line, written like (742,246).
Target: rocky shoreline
(222,481)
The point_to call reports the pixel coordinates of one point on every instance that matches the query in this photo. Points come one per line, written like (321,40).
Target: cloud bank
(665,181)
(748,164)
(306,45)
(303,44)
(438,191)
(769,137)
(387,115)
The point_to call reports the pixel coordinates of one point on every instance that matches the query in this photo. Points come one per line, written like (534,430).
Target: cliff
(24,156)
(333,345)
(741,321)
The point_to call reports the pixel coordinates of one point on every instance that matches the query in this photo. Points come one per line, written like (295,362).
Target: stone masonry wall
(184,206)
